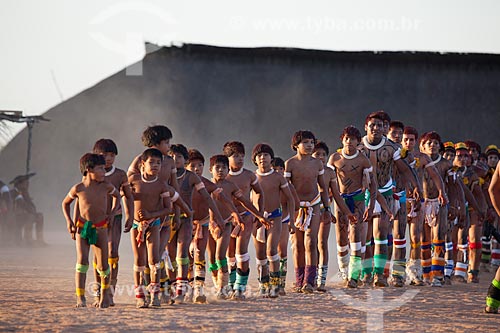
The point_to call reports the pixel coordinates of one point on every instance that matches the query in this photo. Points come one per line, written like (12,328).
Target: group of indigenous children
(380,183)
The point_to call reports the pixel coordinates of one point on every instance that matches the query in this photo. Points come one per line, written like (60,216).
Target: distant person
(179,245)
(246,181)
(321,152)
(306,174)
(91,227)
(355,175)
(25,212)
(493,296)
(201,220)
(221,234)
(152,202)
(107,148)
(288,224)
(266,242)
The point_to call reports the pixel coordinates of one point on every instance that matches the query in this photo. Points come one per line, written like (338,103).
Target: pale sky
(78,44)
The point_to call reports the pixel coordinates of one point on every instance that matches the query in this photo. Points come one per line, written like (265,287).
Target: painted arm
(409,176)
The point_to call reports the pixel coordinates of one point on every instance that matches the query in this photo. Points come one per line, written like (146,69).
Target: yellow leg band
(162,264)
(80,292)
(147,271)
(104,286)
(94,264)
(113,262)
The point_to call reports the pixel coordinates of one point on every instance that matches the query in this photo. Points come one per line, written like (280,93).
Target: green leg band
(82,268)
(355,267)
(492,303)
(379,261)
(241,280)
(213,267)
(103,274)
(221,263)
(182,261)
(367,266)
(232,277)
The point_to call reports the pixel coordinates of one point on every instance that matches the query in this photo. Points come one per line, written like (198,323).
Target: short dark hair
(102,146)
(151,152)
(153,135)
(219,159)
(233,147)
(380,115)
(194,155)
(472,144)
(180,149)
(351,131)
(278,162)
(432,135)
(397,124)
(301,135)
(322,145)
(261,148)
(409,130)
(90,161)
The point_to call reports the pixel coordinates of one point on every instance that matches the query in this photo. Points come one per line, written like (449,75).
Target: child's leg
(231,257)
(172,252)
(414,267)
(115,234)
(184,238)
(462,262)
(399,247)
(367,263)
(380,232)
(448,254)
(341,232)
(82,266)
(475,232)
(273,239)
(200,266)
(324,232)
(493,297)
(283,253)
(101,251)
(140,255)
(426,252)
(299,258)
(262,265)
(357,234)
(152,242)
(212,267)
(242,256)
(164,256)
(221,260)
(311,247)
(438,245)
(97,284)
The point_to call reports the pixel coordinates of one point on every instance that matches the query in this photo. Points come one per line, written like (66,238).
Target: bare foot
(141,303)
(81,302)
(155,301)
(105,299)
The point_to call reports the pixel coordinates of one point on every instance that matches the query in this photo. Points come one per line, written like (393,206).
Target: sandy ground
(37,294)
